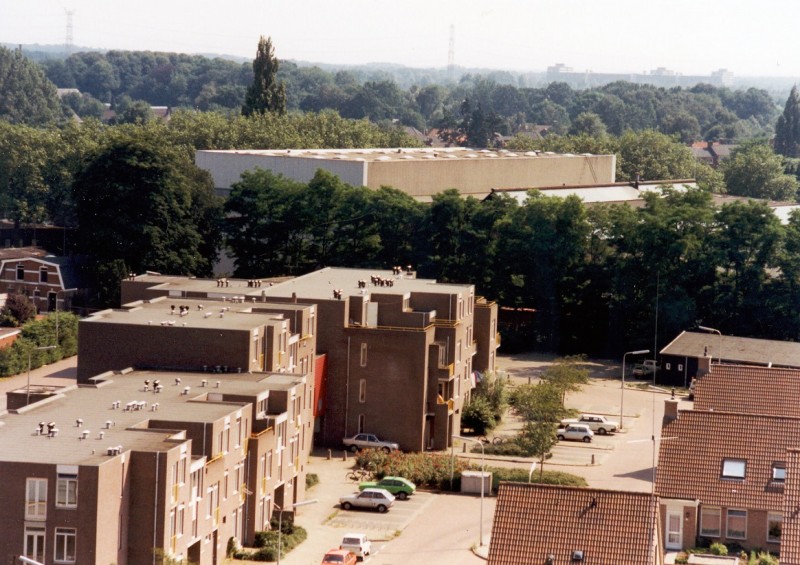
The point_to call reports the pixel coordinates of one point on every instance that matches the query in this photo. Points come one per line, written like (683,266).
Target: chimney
(670,411)
(703,366)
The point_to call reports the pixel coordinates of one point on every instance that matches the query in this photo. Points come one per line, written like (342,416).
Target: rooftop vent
(109,423)
(78,423)
(186,390)
(85,434)
(177,381)
(577,556)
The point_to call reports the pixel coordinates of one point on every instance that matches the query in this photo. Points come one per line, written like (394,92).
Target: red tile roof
(694,446)
(790,534)
(609,527)
(749,389)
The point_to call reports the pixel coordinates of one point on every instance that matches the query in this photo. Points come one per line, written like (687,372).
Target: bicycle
(359,474)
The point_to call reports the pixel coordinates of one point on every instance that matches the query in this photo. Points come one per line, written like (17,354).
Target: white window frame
(38,552)
(67,497)
(61,551)
(778,472)
(774,517)
(730,468)
(705,513)
(36,505)
(740,513)
(363,359)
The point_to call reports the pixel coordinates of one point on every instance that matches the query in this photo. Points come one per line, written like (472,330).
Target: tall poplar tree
(266,94)
(787,130)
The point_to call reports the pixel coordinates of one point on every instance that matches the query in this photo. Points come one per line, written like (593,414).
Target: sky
(747,37)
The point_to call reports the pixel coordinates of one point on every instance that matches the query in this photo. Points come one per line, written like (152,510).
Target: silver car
(368,441)
(371,498)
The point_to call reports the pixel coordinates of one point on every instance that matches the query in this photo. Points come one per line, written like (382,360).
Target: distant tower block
(68,41)
(451,53)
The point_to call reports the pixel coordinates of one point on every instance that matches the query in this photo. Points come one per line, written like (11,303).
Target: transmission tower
(451,54)
(68,39)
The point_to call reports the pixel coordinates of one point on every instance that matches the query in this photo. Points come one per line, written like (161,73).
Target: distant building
(661,77)
(420,173)
(50,282)
(402,354)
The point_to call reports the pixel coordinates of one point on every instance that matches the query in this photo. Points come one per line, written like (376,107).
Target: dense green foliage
(17,310)
(787,129)
(41,333)
(266,543)
(266,94)
(476,106)
(26,96)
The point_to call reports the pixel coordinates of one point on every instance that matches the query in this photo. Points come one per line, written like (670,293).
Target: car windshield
(351,541)
(334,559)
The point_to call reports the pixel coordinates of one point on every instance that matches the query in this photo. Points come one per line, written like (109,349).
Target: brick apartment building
(106,471)
(50,282)
(401,353)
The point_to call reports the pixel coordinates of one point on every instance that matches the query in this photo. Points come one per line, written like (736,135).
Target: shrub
(478,416)
(521,476)
(718,549)
(762,558)
(18,310)
(267,542)
(312,479)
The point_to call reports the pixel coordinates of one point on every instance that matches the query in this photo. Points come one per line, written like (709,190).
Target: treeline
(197,82)
(602,279)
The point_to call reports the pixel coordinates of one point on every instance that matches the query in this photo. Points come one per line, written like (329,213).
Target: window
(779,472)
(774,526)
(458,351)
(710,522)
(361,423)
(34,543)
(36,499)
(20,272)
(362,391)
(42,274)
(65,545)
(733,468)
(363,354)
(680,366)
(668,366)
(737,524)
(67,491)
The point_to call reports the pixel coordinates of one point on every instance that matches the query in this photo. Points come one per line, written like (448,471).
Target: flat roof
(318,285)
(397,154)
(197,313)
(93,404)
(731,348)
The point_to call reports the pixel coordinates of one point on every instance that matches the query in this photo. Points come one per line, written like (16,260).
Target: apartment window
(680,366)
(361,423)
(774,526)
(34,543)
(737,524)
(668,366)
(67,490)
(43,274)
(20,272)
(362,391)
(65,545)
(363,354)
(36,499)
(733,468)
(458,351)
(269,464)
(710,522)
(779,471)
(196,479)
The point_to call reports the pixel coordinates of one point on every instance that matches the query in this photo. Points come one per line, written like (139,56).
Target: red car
(340,557)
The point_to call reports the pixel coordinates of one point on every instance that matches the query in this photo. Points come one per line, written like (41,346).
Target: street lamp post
(712,330)
(30,353)
(280,520)
(483,480)
(57,293)
(622,388)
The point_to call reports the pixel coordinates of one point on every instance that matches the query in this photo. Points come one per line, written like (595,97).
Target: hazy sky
(748,37)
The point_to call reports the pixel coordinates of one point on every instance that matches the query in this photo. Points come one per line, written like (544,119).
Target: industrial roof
(735,349)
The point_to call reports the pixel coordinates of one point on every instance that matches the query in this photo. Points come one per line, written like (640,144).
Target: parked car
(596,423)
(340,557)
(646,369)
(368,441)
(372,498)
(357,543)
(401,488)
(576,432)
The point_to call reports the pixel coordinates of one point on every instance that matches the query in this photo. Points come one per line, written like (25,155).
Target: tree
(17,310)
(266,94)
(588,123)
(787,129)
(26,96)
(567,375)
(541,408)
(755,170)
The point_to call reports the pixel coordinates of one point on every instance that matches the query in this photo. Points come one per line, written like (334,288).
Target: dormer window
(778,472)
(20,272)
(733,468)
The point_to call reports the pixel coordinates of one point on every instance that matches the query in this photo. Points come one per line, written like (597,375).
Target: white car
(368,441)
(575,432)
(357,543)
(371,498)
(596,423)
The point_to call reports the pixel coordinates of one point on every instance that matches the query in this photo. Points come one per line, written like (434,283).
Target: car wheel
(560,438)
(601,431)
(386,450)
(346,505)
(353,448)
(382,508)
(402,496)
(587,439)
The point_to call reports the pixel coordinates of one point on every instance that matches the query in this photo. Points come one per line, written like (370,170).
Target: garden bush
(267,542)
(718,549)
(312,479)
